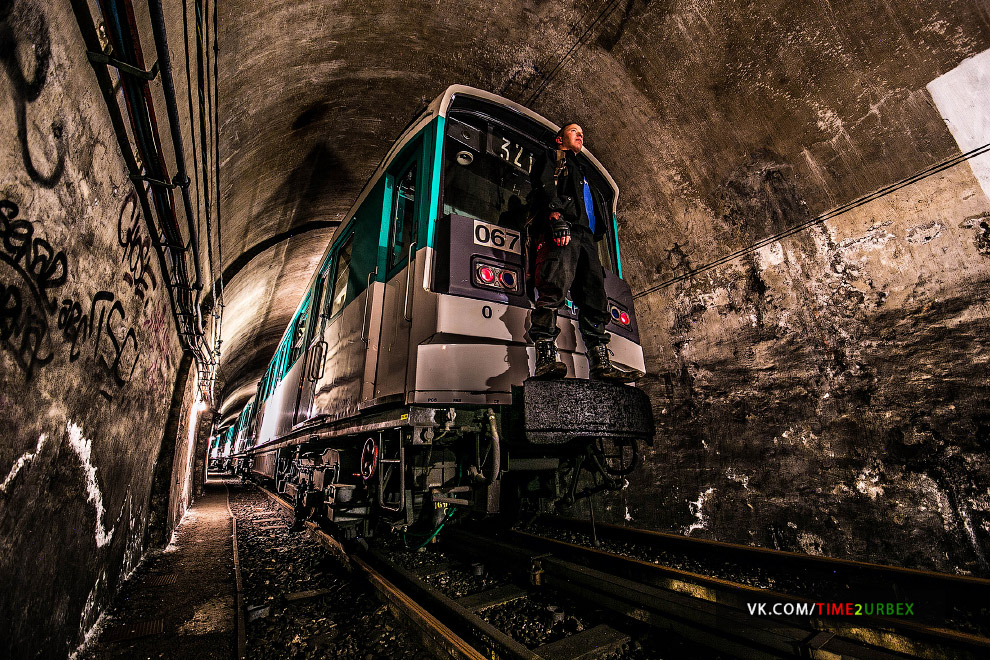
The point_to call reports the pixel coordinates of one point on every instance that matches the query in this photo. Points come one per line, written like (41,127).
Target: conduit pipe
(183,298)
(92,42)
(168,88)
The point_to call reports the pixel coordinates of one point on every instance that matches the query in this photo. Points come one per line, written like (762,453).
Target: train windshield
(486,176)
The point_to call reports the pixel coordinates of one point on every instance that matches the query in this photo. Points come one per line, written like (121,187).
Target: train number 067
(497,237)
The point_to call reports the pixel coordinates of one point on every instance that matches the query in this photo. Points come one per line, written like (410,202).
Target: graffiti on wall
(25,30)
(94,328)
(24,303)
(157,326)
(137,249)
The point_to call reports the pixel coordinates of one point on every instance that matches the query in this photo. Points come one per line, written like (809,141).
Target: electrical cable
(196,159)
(122,33)
(546,61)
(609,8)
(151,177)
(204,150)
(451,510)
(197,176)
(833,213)
(216,162)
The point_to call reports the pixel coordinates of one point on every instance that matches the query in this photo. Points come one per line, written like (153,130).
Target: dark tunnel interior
(801,248)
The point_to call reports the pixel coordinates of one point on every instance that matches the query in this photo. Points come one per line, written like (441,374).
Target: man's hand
(561,232)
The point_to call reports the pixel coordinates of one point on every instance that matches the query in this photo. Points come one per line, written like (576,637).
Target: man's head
(570,137)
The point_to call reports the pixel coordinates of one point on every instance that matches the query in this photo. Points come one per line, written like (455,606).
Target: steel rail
(975,587)
(410,596)
(240,619)
(712,610)
(431,631)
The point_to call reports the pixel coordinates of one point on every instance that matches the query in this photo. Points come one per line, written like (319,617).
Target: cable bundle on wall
(150,174)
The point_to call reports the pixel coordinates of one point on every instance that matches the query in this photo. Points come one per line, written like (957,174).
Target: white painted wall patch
(84,449)
(963,97)
(21,463)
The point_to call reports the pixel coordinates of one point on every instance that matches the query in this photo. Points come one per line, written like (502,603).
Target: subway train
(400,395)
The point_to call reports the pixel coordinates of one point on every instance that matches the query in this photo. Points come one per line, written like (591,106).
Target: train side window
(341,277)
(299,333)
(317,306)
(403,216)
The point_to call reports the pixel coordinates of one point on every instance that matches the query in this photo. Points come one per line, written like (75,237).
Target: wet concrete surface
(180,602)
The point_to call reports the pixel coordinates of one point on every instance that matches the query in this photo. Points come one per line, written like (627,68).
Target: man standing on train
(567,228)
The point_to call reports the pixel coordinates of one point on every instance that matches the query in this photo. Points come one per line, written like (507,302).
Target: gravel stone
(348,622)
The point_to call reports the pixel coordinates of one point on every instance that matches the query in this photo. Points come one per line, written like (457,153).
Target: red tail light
(486,274)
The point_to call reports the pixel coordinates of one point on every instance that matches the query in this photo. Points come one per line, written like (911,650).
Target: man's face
(573,138)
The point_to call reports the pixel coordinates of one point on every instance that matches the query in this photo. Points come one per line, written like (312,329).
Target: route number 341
(497,237)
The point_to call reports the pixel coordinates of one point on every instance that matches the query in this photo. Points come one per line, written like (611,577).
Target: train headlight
(500,277)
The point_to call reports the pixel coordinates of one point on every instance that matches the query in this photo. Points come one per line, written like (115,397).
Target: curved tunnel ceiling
(686,102)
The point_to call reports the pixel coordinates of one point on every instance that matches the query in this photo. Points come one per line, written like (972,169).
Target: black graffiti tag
(79,328)
(137,248)
(24,303)
(31,256)
(23,330)
(103,316)
(25,308)
(28,21)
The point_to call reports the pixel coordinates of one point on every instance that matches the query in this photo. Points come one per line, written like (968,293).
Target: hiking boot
(547,365)
(601,368)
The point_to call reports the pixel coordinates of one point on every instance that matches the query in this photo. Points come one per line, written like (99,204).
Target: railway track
(441,641)
(704,608)
(942,616)
(454,627)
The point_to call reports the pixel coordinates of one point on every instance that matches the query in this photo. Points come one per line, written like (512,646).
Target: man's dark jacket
(566,196)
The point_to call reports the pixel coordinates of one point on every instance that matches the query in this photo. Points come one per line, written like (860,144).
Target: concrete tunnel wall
(90,363)
(824,394)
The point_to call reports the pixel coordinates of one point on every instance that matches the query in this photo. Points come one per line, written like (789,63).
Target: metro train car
(221,448)
(231,440)
(400,393)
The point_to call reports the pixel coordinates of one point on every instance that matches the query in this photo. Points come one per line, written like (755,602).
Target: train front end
(473,332)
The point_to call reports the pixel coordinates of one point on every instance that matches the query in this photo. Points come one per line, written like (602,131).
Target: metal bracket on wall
(123,67)
(175,183)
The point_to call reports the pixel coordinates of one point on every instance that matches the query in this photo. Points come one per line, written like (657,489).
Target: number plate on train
(497,237)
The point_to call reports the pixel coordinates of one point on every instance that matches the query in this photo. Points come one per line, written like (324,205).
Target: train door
(339,391)
(316,353)
(400,255)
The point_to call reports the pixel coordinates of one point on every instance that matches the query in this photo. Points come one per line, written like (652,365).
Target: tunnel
(802,219)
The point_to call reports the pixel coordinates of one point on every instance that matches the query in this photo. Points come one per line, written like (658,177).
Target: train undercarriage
(416,469)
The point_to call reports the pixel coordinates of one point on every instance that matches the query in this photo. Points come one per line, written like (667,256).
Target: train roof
(442,103)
